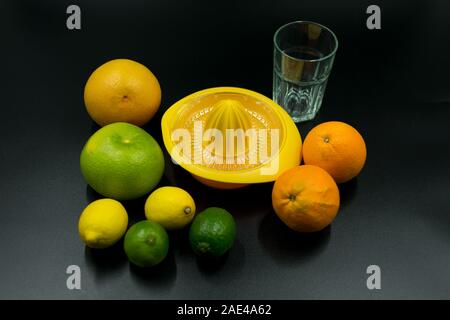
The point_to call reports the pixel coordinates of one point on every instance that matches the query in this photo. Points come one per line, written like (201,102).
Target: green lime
(212,232)
(146,243)
(122,161)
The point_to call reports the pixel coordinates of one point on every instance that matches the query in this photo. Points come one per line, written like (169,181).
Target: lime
(102,223)
(146,243)
(212,232)
(122,161)
(171,207)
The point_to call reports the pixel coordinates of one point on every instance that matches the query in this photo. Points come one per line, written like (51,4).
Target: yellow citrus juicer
(230,137)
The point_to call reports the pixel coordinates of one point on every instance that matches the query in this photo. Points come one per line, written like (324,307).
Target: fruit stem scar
(203,247)
(187,210)
(326,139)
(125,98)
(292,197)
(151,240)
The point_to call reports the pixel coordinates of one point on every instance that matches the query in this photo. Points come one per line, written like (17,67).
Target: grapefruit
(122,90)
(122,161)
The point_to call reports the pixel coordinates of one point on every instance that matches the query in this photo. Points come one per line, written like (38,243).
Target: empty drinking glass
(303,56)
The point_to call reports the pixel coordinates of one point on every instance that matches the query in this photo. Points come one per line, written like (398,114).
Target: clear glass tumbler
(303,56)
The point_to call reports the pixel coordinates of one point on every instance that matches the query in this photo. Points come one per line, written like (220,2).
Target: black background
(391,84)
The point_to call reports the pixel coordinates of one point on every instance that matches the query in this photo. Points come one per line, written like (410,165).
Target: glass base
(303,117)
(301,101)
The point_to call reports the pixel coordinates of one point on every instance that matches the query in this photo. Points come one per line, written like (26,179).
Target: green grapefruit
(122,161)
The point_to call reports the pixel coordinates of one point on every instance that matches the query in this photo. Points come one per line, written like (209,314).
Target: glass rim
(331,54)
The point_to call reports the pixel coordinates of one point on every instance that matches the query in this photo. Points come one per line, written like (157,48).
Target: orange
(122,90)
(336,147)
(306,198)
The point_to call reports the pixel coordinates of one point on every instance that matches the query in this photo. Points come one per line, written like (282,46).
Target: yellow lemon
(122,90)
(102,223)
(171,207)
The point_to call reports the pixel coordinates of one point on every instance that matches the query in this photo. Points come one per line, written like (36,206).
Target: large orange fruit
(306,198)
(336,147)
(122,90)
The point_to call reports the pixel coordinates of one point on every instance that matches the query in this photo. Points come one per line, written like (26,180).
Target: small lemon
(102,223)
(171,207)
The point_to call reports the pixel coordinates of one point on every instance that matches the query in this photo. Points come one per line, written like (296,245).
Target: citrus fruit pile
(121,161)
(306,198)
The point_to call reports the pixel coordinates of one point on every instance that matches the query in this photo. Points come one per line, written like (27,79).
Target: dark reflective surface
(390,84)
(289,247)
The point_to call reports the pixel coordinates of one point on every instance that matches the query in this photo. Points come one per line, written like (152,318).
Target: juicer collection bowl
(269,142)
